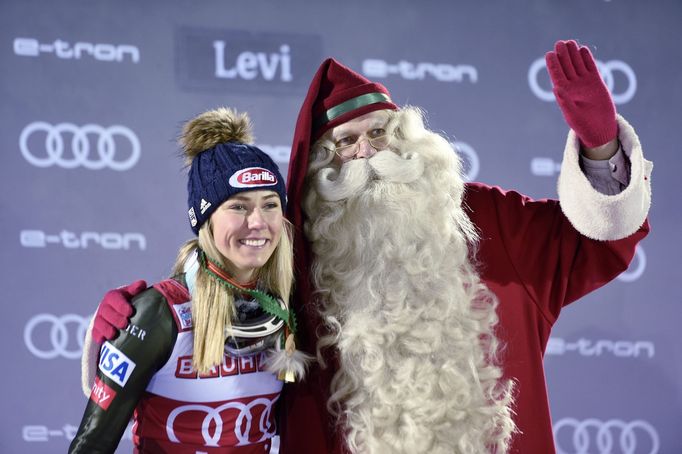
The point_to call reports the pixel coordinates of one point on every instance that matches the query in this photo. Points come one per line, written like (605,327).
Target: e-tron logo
(467,152)
(104,141)
(615,73)
(40,433)
(242,424)
(600,347)
(614,436)
(636,268)
(48,336)
(30,47)
(84,240)
(442,72)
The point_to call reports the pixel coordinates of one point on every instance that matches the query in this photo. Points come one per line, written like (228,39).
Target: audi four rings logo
(242,425)
(609,71)
(605,437)
(58,150)
(48,336)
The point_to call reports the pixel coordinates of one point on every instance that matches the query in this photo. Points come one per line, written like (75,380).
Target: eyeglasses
(349,146)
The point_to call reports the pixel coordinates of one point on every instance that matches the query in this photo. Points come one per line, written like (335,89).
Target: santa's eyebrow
(378,123)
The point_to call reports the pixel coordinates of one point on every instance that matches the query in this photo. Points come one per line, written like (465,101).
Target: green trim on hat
(351,104)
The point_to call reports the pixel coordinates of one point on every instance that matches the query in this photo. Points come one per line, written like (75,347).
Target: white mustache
(354,176)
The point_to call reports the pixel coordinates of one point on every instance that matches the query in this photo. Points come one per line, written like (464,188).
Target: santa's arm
(560,251)
(602,207)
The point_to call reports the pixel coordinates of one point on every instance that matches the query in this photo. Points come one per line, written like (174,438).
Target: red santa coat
(537,257)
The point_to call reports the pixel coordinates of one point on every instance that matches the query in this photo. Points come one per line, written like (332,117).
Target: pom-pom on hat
(222,163)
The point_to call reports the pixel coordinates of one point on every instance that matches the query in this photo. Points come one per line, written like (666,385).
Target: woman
(198,365)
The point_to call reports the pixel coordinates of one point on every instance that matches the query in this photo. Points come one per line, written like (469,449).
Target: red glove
(581,93)
(114,310)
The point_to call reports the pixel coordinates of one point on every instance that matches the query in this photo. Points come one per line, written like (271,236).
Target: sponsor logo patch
(252,177)
(101,394)
(230,366)
(114,364)
(183,315)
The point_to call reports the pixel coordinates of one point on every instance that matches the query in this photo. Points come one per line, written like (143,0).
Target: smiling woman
(246,229)
(218,333)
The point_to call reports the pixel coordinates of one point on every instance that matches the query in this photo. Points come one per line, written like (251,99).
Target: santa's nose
(365,149)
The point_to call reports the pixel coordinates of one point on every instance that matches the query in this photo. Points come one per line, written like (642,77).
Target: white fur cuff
(599,216)
(89,360)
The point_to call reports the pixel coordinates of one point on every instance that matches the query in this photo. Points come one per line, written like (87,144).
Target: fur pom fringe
(89,360)
(279,361)
(213,127)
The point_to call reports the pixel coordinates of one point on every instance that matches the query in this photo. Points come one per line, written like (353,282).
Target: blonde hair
(213,304)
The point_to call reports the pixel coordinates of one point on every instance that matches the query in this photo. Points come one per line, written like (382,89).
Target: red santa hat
(337,94)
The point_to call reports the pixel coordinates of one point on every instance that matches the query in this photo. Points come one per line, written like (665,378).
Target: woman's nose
(255,219)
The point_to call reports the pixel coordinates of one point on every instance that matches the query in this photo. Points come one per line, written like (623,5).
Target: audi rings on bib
(242,426)
(81,155)
(593,436)
(607,71)
(59,335)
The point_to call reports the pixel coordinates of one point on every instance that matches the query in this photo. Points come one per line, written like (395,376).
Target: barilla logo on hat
(252,177)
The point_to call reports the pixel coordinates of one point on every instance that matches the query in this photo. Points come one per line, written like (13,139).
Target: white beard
(403,304)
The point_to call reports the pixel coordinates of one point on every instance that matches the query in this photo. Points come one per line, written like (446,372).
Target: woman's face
(246,229)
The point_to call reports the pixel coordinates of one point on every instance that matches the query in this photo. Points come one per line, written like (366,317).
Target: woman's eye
(271,205)
(237,207)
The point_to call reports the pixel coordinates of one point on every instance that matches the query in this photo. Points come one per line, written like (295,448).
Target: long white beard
(412,322)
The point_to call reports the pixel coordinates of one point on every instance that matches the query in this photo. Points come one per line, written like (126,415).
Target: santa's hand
(114,310)
(581,93)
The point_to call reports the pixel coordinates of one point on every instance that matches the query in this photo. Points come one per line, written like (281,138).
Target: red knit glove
(114,310)
(581,93)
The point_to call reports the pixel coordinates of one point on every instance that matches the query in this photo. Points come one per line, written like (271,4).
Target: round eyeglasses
(350,150)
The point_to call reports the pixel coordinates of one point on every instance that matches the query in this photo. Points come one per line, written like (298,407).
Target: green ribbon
(266,302)
(351,104)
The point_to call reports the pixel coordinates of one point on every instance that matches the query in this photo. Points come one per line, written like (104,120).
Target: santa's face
(361,137)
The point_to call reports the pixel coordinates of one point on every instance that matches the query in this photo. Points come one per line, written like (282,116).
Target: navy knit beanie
(222,168)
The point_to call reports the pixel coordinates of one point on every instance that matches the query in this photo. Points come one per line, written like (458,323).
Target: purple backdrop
(93,194)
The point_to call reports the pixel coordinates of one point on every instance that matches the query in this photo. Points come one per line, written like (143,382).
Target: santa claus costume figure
(430,300)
